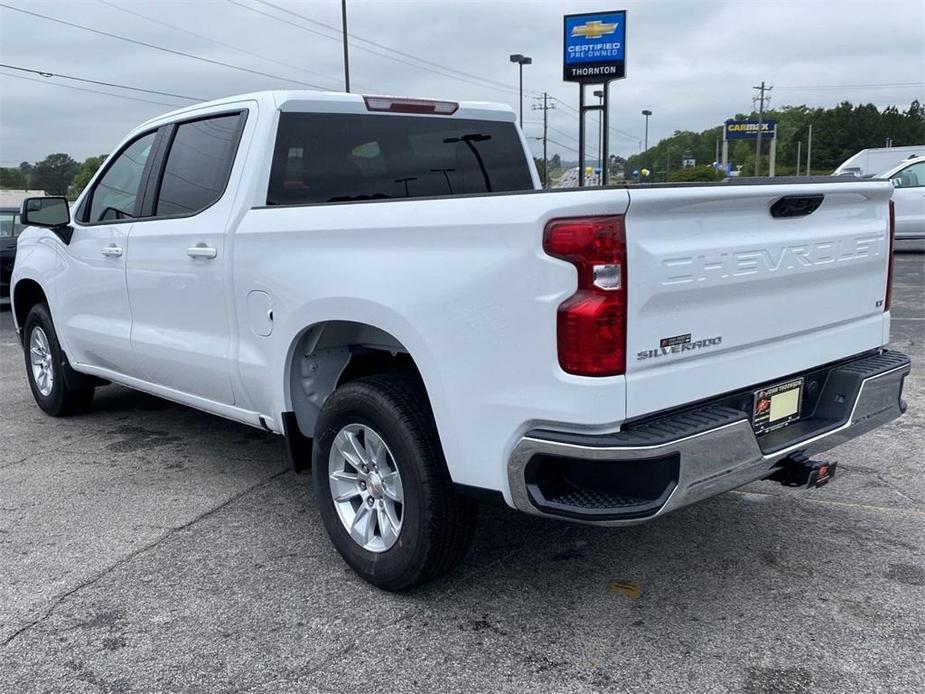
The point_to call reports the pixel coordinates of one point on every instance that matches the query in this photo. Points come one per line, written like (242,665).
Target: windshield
(906,176)
(9,224)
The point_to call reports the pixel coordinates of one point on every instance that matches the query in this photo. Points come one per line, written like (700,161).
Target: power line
(173,27)
(855,86)
(615,131)
(563,133)
(566,104)
(565,147)
(45,73)
(553,129)
(337,30)
(162,48)
(84,89)
(364,48)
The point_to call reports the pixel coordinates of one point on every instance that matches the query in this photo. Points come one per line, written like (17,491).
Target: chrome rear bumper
(714,448)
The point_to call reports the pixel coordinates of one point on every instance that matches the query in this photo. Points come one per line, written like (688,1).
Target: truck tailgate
(723,295)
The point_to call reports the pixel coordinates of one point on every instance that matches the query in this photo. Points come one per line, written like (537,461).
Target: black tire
(437,524)
(61,400)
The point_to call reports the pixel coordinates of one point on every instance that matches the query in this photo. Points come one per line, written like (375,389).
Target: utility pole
(809,151)
(761,99)
(343,14)
(799,154)
(547,105)
(646,112)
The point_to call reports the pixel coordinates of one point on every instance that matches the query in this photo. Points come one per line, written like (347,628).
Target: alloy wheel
(43,372)
(366,487)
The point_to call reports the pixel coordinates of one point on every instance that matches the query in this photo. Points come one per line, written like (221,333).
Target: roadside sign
(748,129)
(594,47)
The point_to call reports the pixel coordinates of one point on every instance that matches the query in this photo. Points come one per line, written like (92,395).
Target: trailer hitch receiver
(797,470)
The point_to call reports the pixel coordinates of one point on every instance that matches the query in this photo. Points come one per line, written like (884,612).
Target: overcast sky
(693,63)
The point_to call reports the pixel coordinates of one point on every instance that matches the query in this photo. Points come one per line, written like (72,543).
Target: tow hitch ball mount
(797,470)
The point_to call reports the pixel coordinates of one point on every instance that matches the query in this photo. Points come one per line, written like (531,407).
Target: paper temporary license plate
(777,406)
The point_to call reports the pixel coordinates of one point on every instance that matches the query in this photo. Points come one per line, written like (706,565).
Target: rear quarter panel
(462,283)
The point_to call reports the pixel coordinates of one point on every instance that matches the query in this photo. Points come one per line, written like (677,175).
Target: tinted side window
(9,224)
(198,165)
(115,194)
(336,157)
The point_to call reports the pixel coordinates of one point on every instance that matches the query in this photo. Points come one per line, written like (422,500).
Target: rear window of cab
(327,157)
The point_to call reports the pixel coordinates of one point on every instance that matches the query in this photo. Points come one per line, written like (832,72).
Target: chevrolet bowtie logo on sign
(594,29)
(594,49)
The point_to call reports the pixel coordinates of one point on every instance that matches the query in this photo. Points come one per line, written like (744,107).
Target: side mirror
(52,213)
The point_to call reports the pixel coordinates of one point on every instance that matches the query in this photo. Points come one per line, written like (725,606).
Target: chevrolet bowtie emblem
(594,29)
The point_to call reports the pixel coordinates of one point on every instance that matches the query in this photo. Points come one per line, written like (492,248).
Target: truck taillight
(889,268)
(591,324)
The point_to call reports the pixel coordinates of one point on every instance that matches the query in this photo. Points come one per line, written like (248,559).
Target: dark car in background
(10,229)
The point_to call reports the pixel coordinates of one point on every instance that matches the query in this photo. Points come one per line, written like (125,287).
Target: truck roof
(337,102)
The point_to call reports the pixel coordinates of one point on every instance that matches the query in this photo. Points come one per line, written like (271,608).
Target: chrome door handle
(111,250)
(201,251)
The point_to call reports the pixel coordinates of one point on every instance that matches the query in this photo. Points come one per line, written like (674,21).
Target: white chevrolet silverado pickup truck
(383,282)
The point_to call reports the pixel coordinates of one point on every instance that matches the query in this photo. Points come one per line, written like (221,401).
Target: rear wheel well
(26,294)
(328,355)
(371,362)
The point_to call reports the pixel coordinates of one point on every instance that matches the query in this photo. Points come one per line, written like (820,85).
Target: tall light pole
(646,112)
(599,93)
(343,16)
(521,60)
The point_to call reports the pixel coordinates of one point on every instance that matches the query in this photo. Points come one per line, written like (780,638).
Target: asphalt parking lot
(146,547)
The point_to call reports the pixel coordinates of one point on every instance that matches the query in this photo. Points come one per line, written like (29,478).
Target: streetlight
(521,60)
(646,112)
(343,15)
(599,93)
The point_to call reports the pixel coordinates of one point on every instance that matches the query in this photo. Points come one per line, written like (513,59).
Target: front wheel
(46,365)
(382,486)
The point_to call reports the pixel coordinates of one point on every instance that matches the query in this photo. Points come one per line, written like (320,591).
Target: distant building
(14,198)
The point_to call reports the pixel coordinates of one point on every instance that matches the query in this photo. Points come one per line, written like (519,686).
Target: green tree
(696,173)
(838,133)
(86,171)
(13,179)
(54,174)
(540,167)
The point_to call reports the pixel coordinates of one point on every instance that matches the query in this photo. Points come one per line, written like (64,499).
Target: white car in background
(908,179)
(867,162)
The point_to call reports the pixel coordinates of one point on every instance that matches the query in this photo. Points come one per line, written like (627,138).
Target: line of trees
(838,133)
(56,174)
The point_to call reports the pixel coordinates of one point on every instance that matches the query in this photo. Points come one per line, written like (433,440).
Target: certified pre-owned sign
(594,46)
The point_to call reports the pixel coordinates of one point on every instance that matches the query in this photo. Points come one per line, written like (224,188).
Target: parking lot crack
(54,449)
(138,552)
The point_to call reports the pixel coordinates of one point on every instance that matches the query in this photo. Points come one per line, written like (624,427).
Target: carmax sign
(593,47)
(748,129)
